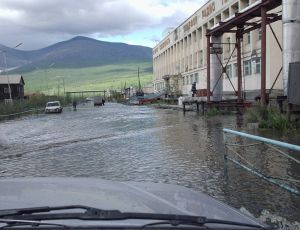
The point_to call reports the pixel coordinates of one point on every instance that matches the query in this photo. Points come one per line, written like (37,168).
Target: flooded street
(118,142)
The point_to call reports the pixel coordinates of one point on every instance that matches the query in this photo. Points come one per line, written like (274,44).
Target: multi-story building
(180,59)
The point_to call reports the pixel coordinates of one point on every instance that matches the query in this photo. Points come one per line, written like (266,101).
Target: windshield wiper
(13,223)
(91,213)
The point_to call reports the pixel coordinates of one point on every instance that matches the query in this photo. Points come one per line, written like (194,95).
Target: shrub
(268,118)
(212,112)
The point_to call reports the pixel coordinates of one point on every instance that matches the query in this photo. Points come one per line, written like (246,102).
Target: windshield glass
(182,107)
(52,104)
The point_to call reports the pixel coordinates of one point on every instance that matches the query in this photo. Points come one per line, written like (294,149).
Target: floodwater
(118,142)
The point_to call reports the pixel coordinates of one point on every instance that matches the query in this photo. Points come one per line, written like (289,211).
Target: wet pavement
(118,142)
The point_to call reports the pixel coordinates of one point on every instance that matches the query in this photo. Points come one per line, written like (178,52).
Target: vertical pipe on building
(208,66)
(291,37)
(239,65)
(263,55)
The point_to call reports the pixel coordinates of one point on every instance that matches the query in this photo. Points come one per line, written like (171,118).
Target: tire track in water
(19,153)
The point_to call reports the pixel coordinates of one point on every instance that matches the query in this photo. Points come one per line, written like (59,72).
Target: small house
(15,83)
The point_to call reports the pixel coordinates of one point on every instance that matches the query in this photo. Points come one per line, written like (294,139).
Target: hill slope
(77,52)
(116,76)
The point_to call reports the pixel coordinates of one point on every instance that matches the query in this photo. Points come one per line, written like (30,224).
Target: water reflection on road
(118,142)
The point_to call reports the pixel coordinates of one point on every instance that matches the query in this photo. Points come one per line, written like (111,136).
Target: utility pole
(5,68)
(58,88)
(139,78)
(64,86)
(47,76)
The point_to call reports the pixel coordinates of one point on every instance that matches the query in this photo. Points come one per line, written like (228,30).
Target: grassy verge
(213,112)
(268,118)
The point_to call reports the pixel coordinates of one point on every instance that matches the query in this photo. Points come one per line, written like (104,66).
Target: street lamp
(5,68)
(46,76)
(58,86)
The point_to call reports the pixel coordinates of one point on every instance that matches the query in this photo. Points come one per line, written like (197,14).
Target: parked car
(53,107)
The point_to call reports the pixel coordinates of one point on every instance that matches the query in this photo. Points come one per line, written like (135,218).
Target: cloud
(38,23)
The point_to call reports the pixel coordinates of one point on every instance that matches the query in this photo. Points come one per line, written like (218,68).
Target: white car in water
(53,107)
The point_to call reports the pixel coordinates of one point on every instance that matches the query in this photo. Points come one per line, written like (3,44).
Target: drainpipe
(291,37)
(216,69)
(208,67)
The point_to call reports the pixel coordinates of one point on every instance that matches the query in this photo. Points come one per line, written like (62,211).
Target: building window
(191,79)
(248,38)
(259,34)
(228,43)
(228,71)
(186,64)
(187,80)
(247,67)
(200,58)
(200,33)
(196,77)
(235,69)
(6,90)
(257,65)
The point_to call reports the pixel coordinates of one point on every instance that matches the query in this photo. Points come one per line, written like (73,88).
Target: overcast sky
(39,23)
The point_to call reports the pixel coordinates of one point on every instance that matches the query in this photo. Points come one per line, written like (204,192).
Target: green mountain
(77,52)
(79,64)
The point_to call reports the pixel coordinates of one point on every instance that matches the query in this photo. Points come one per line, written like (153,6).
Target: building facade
(11,84)
(180,59)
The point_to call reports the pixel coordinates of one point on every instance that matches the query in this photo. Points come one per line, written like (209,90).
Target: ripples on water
(118,142)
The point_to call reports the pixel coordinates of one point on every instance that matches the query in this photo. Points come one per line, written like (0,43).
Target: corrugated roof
(13,79)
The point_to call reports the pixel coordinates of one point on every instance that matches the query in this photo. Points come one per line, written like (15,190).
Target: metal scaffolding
(241,24)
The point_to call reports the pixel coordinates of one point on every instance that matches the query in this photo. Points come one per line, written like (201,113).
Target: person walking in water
(74,105)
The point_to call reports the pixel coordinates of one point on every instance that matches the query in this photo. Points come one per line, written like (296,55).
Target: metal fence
(236,153)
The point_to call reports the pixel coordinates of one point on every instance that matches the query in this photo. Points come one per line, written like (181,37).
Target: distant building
(180,58)
(16,83)
(147,89)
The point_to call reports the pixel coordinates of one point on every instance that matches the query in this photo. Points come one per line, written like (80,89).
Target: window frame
(247,65)
(228,71)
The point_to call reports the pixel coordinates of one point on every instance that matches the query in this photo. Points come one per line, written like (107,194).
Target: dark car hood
(123,196)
